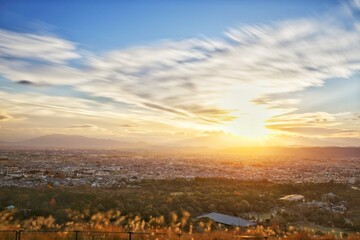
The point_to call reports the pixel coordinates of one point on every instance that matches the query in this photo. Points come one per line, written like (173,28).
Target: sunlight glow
(251,118)
(250,128)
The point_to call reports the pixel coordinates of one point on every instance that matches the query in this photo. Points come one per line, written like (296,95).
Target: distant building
(10,207)
(293,198)
(228,220)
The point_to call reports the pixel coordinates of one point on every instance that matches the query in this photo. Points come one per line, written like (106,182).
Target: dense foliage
(150,199)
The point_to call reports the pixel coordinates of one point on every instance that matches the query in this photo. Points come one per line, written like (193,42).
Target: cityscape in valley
(114,168)
(168,120)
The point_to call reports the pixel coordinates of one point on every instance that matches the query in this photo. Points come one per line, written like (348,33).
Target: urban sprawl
(110,168)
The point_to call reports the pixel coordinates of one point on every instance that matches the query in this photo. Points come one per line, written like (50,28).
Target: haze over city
(249,73)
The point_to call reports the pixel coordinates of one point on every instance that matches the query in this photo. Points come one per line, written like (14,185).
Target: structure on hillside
(10,207)
(228,219)
(293,198)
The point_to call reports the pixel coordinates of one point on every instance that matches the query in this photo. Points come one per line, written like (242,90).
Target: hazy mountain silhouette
(75,141)
(199,144)
(70,141)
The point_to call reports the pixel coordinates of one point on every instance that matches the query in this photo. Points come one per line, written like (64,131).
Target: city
(111,168)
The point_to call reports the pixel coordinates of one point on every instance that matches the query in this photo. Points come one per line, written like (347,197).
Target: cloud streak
(36,47)
(4,117)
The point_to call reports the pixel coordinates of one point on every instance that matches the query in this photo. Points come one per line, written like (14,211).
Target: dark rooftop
(228,219)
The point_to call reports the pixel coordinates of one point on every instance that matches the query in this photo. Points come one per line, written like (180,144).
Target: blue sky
(130,23)
(243,72)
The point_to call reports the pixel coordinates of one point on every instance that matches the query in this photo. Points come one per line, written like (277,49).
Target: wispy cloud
(34,46)
(83,126)
(4,117)
(320,124)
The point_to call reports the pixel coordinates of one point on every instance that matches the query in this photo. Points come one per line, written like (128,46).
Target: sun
(251,128)
(250,117)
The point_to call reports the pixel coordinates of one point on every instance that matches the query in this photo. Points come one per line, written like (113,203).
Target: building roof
(228,220)
(293,197)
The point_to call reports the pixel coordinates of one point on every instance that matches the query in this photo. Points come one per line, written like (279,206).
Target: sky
(184,73)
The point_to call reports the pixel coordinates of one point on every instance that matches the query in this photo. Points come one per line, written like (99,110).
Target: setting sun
(251,129)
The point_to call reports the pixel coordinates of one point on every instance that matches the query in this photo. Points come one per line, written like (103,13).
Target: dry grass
(155,228)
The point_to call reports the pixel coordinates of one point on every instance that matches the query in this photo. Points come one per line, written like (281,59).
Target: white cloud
(57,74)
(35,46)
(281,58)
(319,124)
(38,58)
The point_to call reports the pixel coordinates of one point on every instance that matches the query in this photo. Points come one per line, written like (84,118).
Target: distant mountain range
(74,141)
(198,145)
